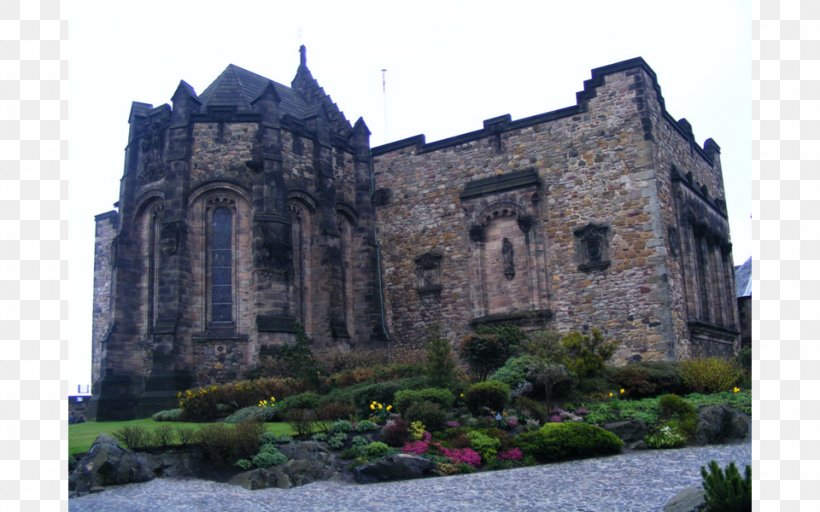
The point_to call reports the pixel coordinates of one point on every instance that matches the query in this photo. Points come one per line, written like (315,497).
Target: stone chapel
(254,208)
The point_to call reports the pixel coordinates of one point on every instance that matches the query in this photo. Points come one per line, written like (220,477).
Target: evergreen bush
(562,441)
(710,374)
(491,394)
(727,491)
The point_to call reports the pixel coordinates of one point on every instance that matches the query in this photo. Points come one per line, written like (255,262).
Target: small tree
(299,360)
(585,354)
(489,348)
(440,368)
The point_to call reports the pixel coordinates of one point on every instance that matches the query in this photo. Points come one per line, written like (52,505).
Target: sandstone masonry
(253,207)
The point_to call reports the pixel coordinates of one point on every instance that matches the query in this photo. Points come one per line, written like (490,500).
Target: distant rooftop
(743,279)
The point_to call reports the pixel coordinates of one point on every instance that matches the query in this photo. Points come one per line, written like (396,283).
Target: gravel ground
(634,481)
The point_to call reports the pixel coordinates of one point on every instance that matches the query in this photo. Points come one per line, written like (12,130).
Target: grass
(82,435)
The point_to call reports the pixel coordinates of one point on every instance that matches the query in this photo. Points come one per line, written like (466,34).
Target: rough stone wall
(594,167)
(104,232)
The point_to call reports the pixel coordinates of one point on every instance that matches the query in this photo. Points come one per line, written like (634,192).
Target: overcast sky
(450,65)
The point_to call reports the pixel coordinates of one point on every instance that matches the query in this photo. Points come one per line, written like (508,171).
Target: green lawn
(82,435)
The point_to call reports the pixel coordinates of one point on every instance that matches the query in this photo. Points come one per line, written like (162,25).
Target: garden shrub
(366,426)
(562,441)
(585,355)
(222,445)
(551,378)
(727,492)
(679,413)
(515,370)
(396,432)
(337,440)
(343,426)
(491,394)
(254,413)
(306,400)
(429,413)
(168,415)
(362,395)
(134,437)
(299,361)
(710,374)
(440,367)
(302,421)
(331,411)
(163,436)
(544,345)
(489,347)
(405,398)
(646,379)
(269,455)
(359,441)
(186,435)
(376,450)
(485,445)
(532,408)
(207,403)
(742,400)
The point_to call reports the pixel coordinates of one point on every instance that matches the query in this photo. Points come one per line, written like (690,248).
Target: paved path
(636,481)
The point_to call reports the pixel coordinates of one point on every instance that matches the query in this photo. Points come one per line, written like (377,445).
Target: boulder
(262,479)
(308,462)
(631,432)
(107,463)
(691,499)
(395,467)
(721,424)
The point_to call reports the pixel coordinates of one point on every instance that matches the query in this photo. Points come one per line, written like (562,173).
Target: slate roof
(743,279)
(238,87)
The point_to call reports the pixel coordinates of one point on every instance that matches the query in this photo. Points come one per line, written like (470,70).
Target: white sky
(450,65)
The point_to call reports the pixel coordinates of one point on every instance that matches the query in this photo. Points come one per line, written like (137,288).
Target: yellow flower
(623,391)
(736,389)
(372,407)
(461,395)
(389,407)
(611,394)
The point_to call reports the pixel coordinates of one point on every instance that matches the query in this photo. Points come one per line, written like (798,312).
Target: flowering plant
(511,454)
(416,447)
(380,412)
(461,455)
(453,424)
(267,403)
(417,430)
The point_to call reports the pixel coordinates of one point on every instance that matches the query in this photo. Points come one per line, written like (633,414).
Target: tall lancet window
(222,267)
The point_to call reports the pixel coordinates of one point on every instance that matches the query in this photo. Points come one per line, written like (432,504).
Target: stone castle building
(253,207)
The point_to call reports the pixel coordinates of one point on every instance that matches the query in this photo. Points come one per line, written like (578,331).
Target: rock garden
(504,399)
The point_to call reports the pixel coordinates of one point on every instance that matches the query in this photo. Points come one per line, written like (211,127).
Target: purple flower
(555,418)
(511,454)
(416,447)
(453,424)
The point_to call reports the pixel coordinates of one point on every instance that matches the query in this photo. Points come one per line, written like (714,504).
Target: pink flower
(416,447)
(461,455)
(511,454)
(453,424)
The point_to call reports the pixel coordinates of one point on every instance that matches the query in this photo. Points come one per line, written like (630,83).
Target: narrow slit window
(222,266)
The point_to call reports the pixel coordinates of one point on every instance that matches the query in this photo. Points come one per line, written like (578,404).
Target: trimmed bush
(306,400)
(710,374)
(515,370)
(168,415)
(585,355)
(440,368)
(366,426)
(269,455)
(253,413)
(649,379)
(376,450)
(429,413)
(489,347)
(562,441)
(491,394)
(134,437)
(727,492)
(407,397)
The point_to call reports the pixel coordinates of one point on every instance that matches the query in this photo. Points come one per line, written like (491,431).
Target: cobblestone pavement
(635,481)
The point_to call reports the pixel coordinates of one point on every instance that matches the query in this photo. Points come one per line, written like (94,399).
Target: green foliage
(343,426)
(319,436)
(551,377)
(710,374)
(645,410)
(186,435)
(515,370)
(562,441)
(440,367)
(427,412)
(359,441)
(222,445)
(544,345)
(649,378)
(489,347)
(302,421)
(366,426)
(208,403)
(727,492)
(253,413)
(337,440)
(244,464)
(269,455)
(331,411)
(491,394)
(306,400)
(163,436)
(585,355)
(741,400)
(376,450)
(667,436)
(405,398)
(168,415)
(417,430)
(134,437)
(485,445)
(531,408)
(362,395)
(299,361)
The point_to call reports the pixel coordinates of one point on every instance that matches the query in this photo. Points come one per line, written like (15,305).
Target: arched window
(221,257)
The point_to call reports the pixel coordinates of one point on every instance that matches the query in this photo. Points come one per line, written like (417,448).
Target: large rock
(107,463)
(721,424)
(308,462)
(691,499)
(631,432)
(395,467)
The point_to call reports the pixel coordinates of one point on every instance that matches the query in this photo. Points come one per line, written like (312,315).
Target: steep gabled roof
(238,87)
(743,279)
